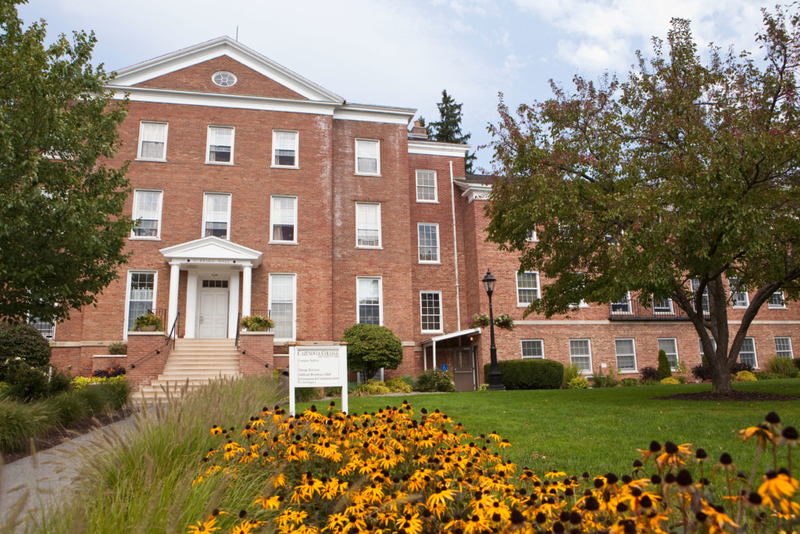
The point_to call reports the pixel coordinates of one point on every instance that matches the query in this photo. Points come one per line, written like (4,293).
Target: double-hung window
(141,295)
(282,296)
(783,347)
(283,220)
(428,242)
(776,300)
(695,288)
(153,141)
(622,305)
(368,225)
(580,354)
(431,311)
(738,294)
(368,157)
(670,347)
(368,294)
(284,149)
(662,306)
(713,346)
(626,354)
(747,354)
(220,145)
(527,288)
(533,348)
(217,215)
(46,328)
(147,214)
(426,186)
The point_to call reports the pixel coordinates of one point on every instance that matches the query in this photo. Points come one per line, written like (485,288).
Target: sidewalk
(46,481)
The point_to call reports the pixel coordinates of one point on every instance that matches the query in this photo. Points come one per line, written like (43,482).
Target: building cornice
(474,191)
(435,148)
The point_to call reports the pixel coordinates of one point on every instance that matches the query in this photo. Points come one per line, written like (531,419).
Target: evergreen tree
(448,128)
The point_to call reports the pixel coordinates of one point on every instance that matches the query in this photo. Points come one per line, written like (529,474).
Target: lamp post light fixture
(495,377)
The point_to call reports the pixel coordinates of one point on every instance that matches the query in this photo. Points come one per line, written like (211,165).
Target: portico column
(233,309)
(174,282)
(247,283)
(191,304)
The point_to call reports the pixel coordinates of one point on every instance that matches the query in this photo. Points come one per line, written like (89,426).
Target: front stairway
(198,360)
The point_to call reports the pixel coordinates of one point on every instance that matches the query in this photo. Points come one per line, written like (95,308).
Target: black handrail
(169,337)
(266,364)
(238,328)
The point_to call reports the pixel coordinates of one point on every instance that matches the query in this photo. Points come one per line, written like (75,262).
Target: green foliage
(670,381)
(435,380)
(370,388)
(529,373)
(664,368)
(448,128)
(118,348)
(22,342)
(767,376)
(578,383)
(629,382)
(26,383)
(660,164)
(306,394)
(62,233)
(745,376)
(570,371)
(370,347)
(504,321)
(479,320)
(783,367)
(398,385)
(149,319)
(599,380)
(649,376)
(256,323)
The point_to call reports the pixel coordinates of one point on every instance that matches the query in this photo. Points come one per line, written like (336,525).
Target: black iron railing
(169,337)
(633,310)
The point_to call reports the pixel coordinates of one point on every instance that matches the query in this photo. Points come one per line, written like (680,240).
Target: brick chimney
(418,131)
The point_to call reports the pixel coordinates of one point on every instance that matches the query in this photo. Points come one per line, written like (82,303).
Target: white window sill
(533,357)
(368,248)
(296,167)
(427,201)
(431,331)
(282,243)
(221,163)
(368,174)
(777,307)
(144,238)
(152,160)
(430,263)
(739,307)
(628,372)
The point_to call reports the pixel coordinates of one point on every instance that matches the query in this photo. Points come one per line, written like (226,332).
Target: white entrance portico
(212,289)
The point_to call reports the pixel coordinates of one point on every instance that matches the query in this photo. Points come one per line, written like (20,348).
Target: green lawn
(599,430)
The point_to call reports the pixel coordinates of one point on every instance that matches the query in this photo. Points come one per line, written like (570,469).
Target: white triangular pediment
(224,46)
(212,249)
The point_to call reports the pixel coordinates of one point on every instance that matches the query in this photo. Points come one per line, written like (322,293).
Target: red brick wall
(257,350)
(147,365)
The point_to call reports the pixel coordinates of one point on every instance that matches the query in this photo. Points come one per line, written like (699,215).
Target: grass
(599,430)
(143,482)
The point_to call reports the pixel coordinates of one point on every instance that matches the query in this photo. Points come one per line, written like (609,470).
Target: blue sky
(403,53)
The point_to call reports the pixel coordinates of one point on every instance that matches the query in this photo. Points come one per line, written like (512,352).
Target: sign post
(315,366)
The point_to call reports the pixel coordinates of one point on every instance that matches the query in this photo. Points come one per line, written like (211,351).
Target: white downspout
(434,354)
(455,245)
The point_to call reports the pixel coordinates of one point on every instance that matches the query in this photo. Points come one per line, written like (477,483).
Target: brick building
(257,191)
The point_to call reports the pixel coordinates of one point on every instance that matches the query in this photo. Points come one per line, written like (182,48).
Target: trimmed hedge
(529,373)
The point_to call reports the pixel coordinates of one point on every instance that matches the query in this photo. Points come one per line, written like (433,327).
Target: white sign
(315,366)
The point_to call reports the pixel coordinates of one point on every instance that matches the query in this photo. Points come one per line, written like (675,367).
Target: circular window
(224,79)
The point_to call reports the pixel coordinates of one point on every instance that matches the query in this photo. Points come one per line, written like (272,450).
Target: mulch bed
(59,435)
(743,396)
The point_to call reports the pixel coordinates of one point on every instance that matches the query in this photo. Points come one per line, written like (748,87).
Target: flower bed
(390,472)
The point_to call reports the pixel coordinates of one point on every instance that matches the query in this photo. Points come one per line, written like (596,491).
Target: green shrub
(256,323)
(578,383)
(670,381)
(59,382)
(435,380)
(371,347)
(22,342)
(370,388)
(649,376)
(149,319)
(69,408)
(19,422)
(333,391)
(767,376)
(628,382)
(529,373)
(26,383)
(306,394)
(796,363)
(570,371)
(605,381)
(118,348)
(782,366)
(664,368)
(745,376)
(398,385)
(410,381)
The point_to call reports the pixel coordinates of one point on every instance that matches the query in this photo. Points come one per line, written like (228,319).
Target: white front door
(213,319)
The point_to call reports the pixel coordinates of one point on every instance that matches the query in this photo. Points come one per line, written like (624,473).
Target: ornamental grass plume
(389,472)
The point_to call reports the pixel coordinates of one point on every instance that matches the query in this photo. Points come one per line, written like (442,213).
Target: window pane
(669,346)
(695,287)
(626,356)
(367,155)
(220,144)
(216,215)
(283,218)
(282,305)
(142,289)
(146,212)
(431,312)
(368,225)
(369,308)
(532,348)
(154,138)
(579,354)
(747,354)
(662,306)
(776,300)
(285,146)
(783,347)
(428,242)
(426,185)
(46,328)
(738,294)
(621,306)
(527,287)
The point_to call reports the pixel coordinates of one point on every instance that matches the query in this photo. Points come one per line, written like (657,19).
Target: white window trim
(208,144)
(521,304)
(128,295)
(630,307)
(294,305)
(380,226)
(591,364)
(438,245)
(616,355)
(755,352)
(659,312)
(378,173)
(522,349)
(206,194)
(157,237)
(435,187)
(272,221)
(791,350)
(777,306)
(380,296)
(52,335)
(532,236)
(441,314)
(732,288)
(677,355)
(296,165)
(139,156)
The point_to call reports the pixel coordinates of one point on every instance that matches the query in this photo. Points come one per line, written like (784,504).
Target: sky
(404,53)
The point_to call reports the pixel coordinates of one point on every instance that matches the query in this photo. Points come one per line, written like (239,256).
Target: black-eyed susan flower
(204,526)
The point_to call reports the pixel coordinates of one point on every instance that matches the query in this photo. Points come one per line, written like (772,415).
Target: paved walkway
(29,487)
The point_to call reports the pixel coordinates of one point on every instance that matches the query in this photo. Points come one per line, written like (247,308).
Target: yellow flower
(760,432)
(208,526)
(440,497)
(777,486)
(215,430)
(271,503)
(410,522)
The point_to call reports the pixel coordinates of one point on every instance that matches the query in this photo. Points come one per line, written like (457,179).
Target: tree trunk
(720,378)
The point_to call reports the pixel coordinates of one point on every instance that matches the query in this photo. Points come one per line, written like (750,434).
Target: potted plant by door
(256,323)
(149,322)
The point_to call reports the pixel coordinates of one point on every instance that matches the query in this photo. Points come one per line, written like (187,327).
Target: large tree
(61,229)
(448,128)
(666,184)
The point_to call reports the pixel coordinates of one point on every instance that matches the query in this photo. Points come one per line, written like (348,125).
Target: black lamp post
(495,376)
